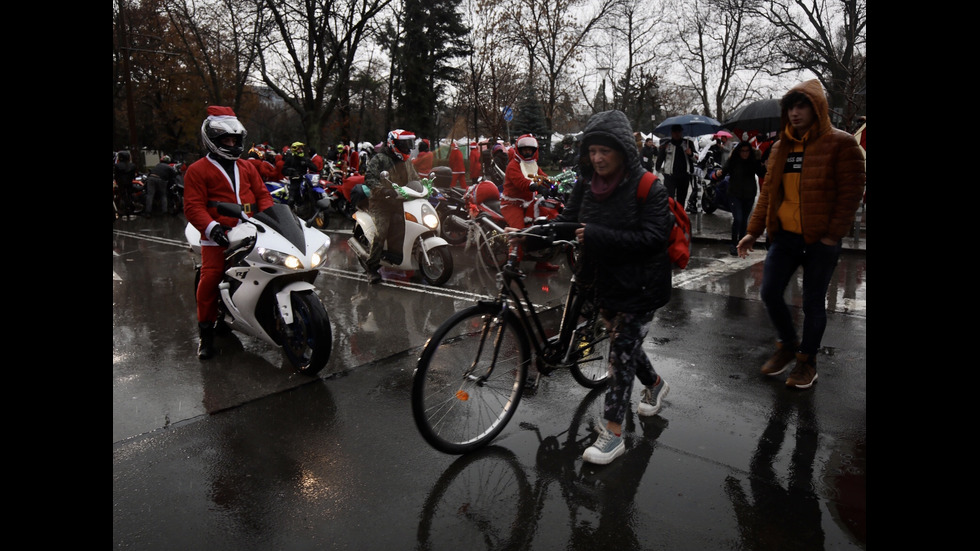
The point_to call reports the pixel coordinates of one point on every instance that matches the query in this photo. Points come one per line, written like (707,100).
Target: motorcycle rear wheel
(708,200)
(307,341)
(454,233)
(495,250)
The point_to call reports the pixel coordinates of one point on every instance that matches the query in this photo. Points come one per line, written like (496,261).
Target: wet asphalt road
(243,453)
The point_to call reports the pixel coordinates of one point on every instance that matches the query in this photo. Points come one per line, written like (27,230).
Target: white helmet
(222,122)
(527,148)
(401,142)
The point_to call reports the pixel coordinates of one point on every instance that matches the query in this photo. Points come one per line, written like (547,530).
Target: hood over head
(814,91)
(612,129)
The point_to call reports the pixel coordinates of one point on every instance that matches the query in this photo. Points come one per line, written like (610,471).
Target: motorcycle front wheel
(440,265)
(320,219)
(307,341)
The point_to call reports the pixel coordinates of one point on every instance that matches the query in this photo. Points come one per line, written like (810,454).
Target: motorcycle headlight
(280,259)
(320,255)
(429,217)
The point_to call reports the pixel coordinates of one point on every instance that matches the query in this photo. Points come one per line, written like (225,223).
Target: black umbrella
(694,125)
(761,117)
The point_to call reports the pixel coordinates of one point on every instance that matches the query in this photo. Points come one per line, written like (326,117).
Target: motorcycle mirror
(230,209)
(384,174)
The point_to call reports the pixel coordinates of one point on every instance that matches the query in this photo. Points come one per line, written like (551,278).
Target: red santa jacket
(456,160)
(476,162)
(516,185)
(206,181)
(423,163)
(266,171)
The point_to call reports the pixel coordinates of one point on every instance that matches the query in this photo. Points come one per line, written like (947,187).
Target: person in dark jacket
(158,182)
(648,154)
(124,172)
(742,169)
(624,260)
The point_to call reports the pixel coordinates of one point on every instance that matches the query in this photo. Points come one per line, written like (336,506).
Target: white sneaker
(652,397)
(607,447)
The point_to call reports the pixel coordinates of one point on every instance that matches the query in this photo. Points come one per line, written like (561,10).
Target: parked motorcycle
(422,249)
(175,196)
(714,191)
(313,204)
(338,186)
(450,203)
(267,288)
(483,207)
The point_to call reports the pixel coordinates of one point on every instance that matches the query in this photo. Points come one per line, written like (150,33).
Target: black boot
(206,349)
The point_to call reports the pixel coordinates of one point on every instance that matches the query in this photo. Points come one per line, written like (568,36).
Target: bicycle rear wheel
(589,344)
(470,377)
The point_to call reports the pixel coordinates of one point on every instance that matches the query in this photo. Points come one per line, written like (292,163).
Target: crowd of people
(809,191)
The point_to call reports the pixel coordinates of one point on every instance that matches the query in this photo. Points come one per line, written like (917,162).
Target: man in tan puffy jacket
(815,177)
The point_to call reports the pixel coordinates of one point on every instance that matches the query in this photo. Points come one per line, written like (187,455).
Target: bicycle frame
(464,393)
(513,294)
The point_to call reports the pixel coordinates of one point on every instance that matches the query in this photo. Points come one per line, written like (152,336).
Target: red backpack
(679,246)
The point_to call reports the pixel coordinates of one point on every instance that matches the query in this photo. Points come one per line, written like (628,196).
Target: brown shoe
(805,372)
(780,359)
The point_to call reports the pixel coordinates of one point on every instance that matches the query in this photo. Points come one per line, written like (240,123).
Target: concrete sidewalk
(717,226)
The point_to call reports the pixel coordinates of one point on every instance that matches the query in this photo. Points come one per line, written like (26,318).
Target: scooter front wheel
(307,341)
(439,267)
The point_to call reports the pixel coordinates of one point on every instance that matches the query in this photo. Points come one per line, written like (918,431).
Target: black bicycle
(474,369)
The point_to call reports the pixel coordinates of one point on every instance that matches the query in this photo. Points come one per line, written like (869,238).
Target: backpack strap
(646,182)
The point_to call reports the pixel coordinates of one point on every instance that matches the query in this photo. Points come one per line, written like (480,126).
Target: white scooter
(267,289)
(422,249)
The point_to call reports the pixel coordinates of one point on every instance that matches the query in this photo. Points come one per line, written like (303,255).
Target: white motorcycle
(267,289)
(422,249)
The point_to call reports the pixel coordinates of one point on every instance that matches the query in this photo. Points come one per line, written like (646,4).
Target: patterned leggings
(626,360)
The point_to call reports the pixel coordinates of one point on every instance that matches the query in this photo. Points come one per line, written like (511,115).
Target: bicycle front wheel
(589,344)
(470,377)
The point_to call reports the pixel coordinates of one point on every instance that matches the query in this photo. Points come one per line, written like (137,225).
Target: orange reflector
(462,395)
(411,217)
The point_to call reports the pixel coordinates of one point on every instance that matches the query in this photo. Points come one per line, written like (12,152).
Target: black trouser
(677,185)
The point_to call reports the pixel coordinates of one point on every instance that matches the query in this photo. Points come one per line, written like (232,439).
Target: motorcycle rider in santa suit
(518,192)
(384,205)
(220,176)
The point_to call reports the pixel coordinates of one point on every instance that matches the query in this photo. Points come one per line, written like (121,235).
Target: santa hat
(219,111)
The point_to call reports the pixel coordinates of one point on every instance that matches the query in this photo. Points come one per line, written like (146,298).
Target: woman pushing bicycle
(623,242)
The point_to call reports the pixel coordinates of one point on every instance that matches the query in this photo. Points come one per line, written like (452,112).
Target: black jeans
(787,252)
(677,186)
(741,209)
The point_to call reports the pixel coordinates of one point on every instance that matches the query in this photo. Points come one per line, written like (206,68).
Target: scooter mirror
(384,174)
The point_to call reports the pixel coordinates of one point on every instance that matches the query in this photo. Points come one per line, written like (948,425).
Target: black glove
(535,187)
(218,235)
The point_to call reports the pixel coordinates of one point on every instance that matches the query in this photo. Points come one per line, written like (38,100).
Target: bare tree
(627,54)
(725,51)
(490,83)
(553,33)
(220,42)
(307,56)
(828,38)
